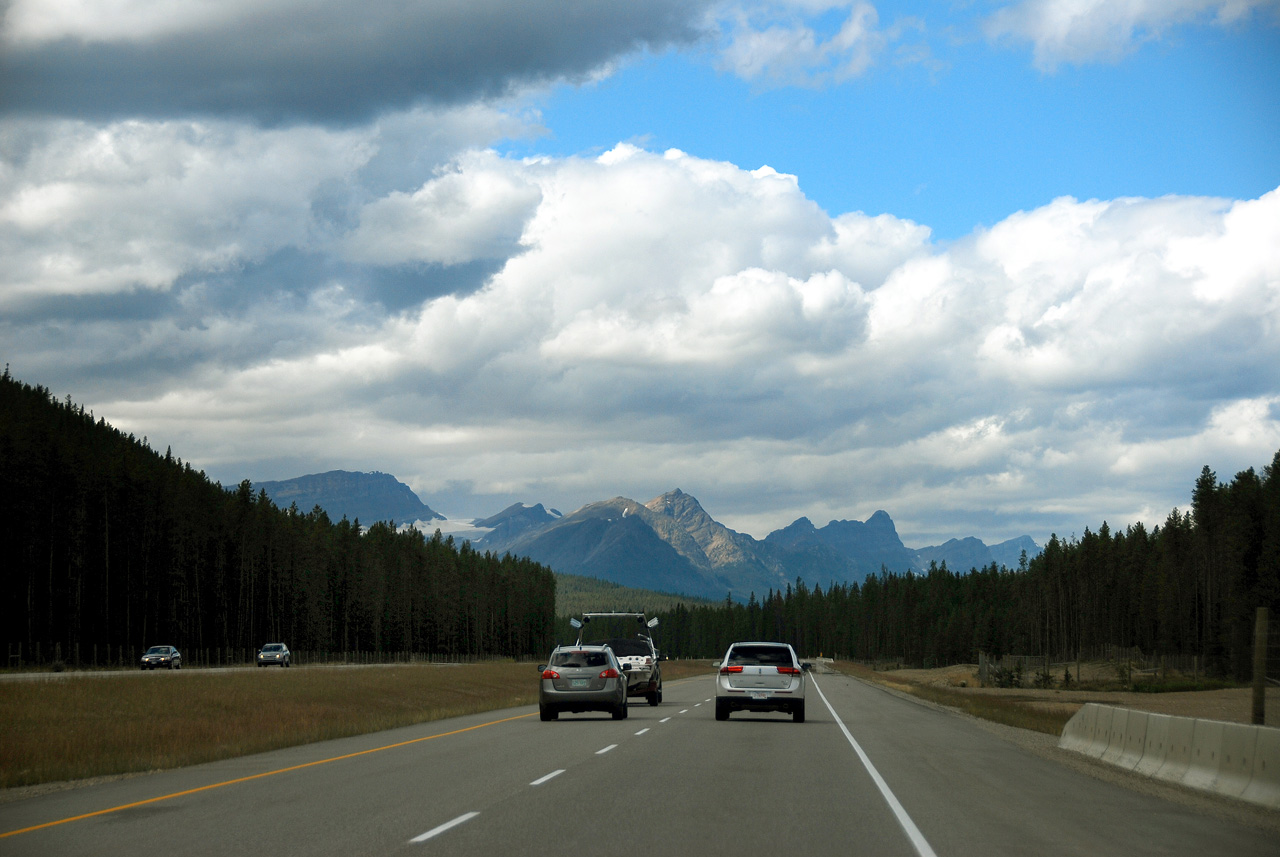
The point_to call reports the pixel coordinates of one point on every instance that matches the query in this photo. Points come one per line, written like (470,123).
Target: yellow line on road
(257,776)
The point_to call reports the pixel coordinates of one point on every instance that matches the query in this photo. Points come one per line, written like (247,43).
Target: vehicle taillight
(788,671)
(609,673)
(648,661)
(550,674)
(736,669)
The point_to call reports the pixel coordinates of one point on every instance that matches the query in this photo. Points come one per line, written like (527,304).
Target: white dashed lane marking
(436,831)
(540,780)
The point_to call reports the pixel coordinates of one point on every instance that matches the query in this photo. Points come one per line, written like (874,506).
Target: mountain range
(670,544)
(367,497)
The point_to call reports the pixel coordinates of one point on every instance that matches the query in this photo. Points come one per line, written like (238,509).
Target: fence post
(1260,667)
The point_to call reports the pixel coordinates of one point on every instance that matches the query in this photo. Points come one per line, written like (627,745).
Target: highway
(869,773)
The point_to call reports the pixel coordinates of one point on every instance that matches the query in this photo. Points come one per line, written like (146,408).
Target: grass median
(78,726)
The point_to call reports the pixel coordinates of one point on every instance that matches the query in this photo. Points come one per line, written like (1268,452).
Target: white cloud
(1080,31)
(650,320)
(774,42)
(135,205)
(463,214)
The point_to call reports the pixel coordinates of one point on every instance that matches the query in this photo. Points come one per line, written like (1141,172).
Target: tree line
(1189,587)
(109,543)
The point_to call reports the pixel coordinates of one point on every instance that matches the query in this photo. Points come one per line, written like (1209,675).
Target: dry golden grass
(1011,711)
(76,727)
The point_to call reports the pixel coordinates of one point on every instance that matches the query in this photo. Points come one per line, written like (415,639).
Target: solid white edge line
(605,750)
(908,826)
(540,780)
(435,831)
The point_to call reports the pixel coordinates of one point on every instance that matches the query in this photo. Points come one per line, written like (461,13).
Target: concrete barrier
(1155,747)
(1115,740)
(1206,755)
(1077,735)
(1178,758)
(1134,740)
(1264,788)
(1101,731)
(1235,771)
(1230,759)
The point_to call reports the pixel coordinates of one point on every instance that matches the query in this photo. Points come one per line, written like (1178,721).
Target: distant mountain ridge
(368,497)
(670,544)
(673,545)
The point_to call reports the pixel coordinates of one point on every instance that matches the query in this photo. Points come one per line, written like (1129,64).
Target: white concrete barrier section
(1135,739)
(1155,747)
(1115,741)
(1078,733)
(1178,758)
(1101,731)
(1206,755)
(1231,759)
(1235,771)
(1264,788)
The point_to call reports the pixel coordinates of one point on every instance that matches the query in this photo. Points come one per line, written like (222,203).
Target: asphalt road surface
(867,774)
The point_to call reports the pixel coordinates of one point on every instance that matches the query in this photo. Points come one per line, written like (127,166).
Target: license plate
(759,696)
(579,682)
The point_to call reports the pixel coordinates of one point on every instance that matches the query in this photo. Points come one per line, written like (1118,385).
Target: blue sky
(968,136)
(998,267)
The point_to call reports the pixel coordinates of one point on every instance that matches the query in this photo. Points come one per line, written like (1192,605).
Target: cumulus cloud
(328,61)
(777,42)
(658,319)
(1080,31)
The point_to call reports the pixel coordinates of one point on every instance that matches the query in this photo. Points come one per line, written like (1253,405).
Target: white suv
(760,677)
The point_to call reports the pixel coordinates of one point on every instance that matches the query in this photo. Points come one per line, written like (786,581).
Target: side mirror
(541,667)
(653,623)
(575,623)
(806,666)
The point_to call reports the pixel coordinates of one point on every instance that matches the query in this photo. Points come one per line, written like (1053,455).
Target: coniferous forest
(1189,588)
(110,546)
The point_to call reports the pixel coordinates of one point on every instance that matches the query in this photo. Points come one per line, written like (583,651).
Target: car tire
(545,713)
(652,697)
(722,710)
(797,713)
(620,713)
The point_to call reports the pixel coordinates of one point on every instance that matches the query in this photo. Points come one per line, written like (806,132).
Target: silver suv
(583,678)
(760,677)
(644,678)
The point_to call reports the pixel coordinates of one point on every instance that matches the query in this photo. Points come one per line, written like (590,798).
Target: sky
(996,267)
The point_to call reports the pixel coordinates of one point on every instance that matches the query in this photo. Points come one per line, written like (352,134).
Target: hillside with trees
(110,546)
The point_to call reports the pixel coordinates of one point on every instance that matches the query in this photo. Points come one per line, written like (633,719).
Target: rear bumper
(585,700)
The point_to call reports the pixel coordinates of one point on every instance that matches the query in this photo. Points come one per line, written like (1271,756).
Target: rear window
(769,656)
(579,659)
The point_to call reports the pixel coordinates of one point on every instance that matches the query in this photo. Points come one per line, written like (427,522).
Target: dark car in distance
(162,656)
